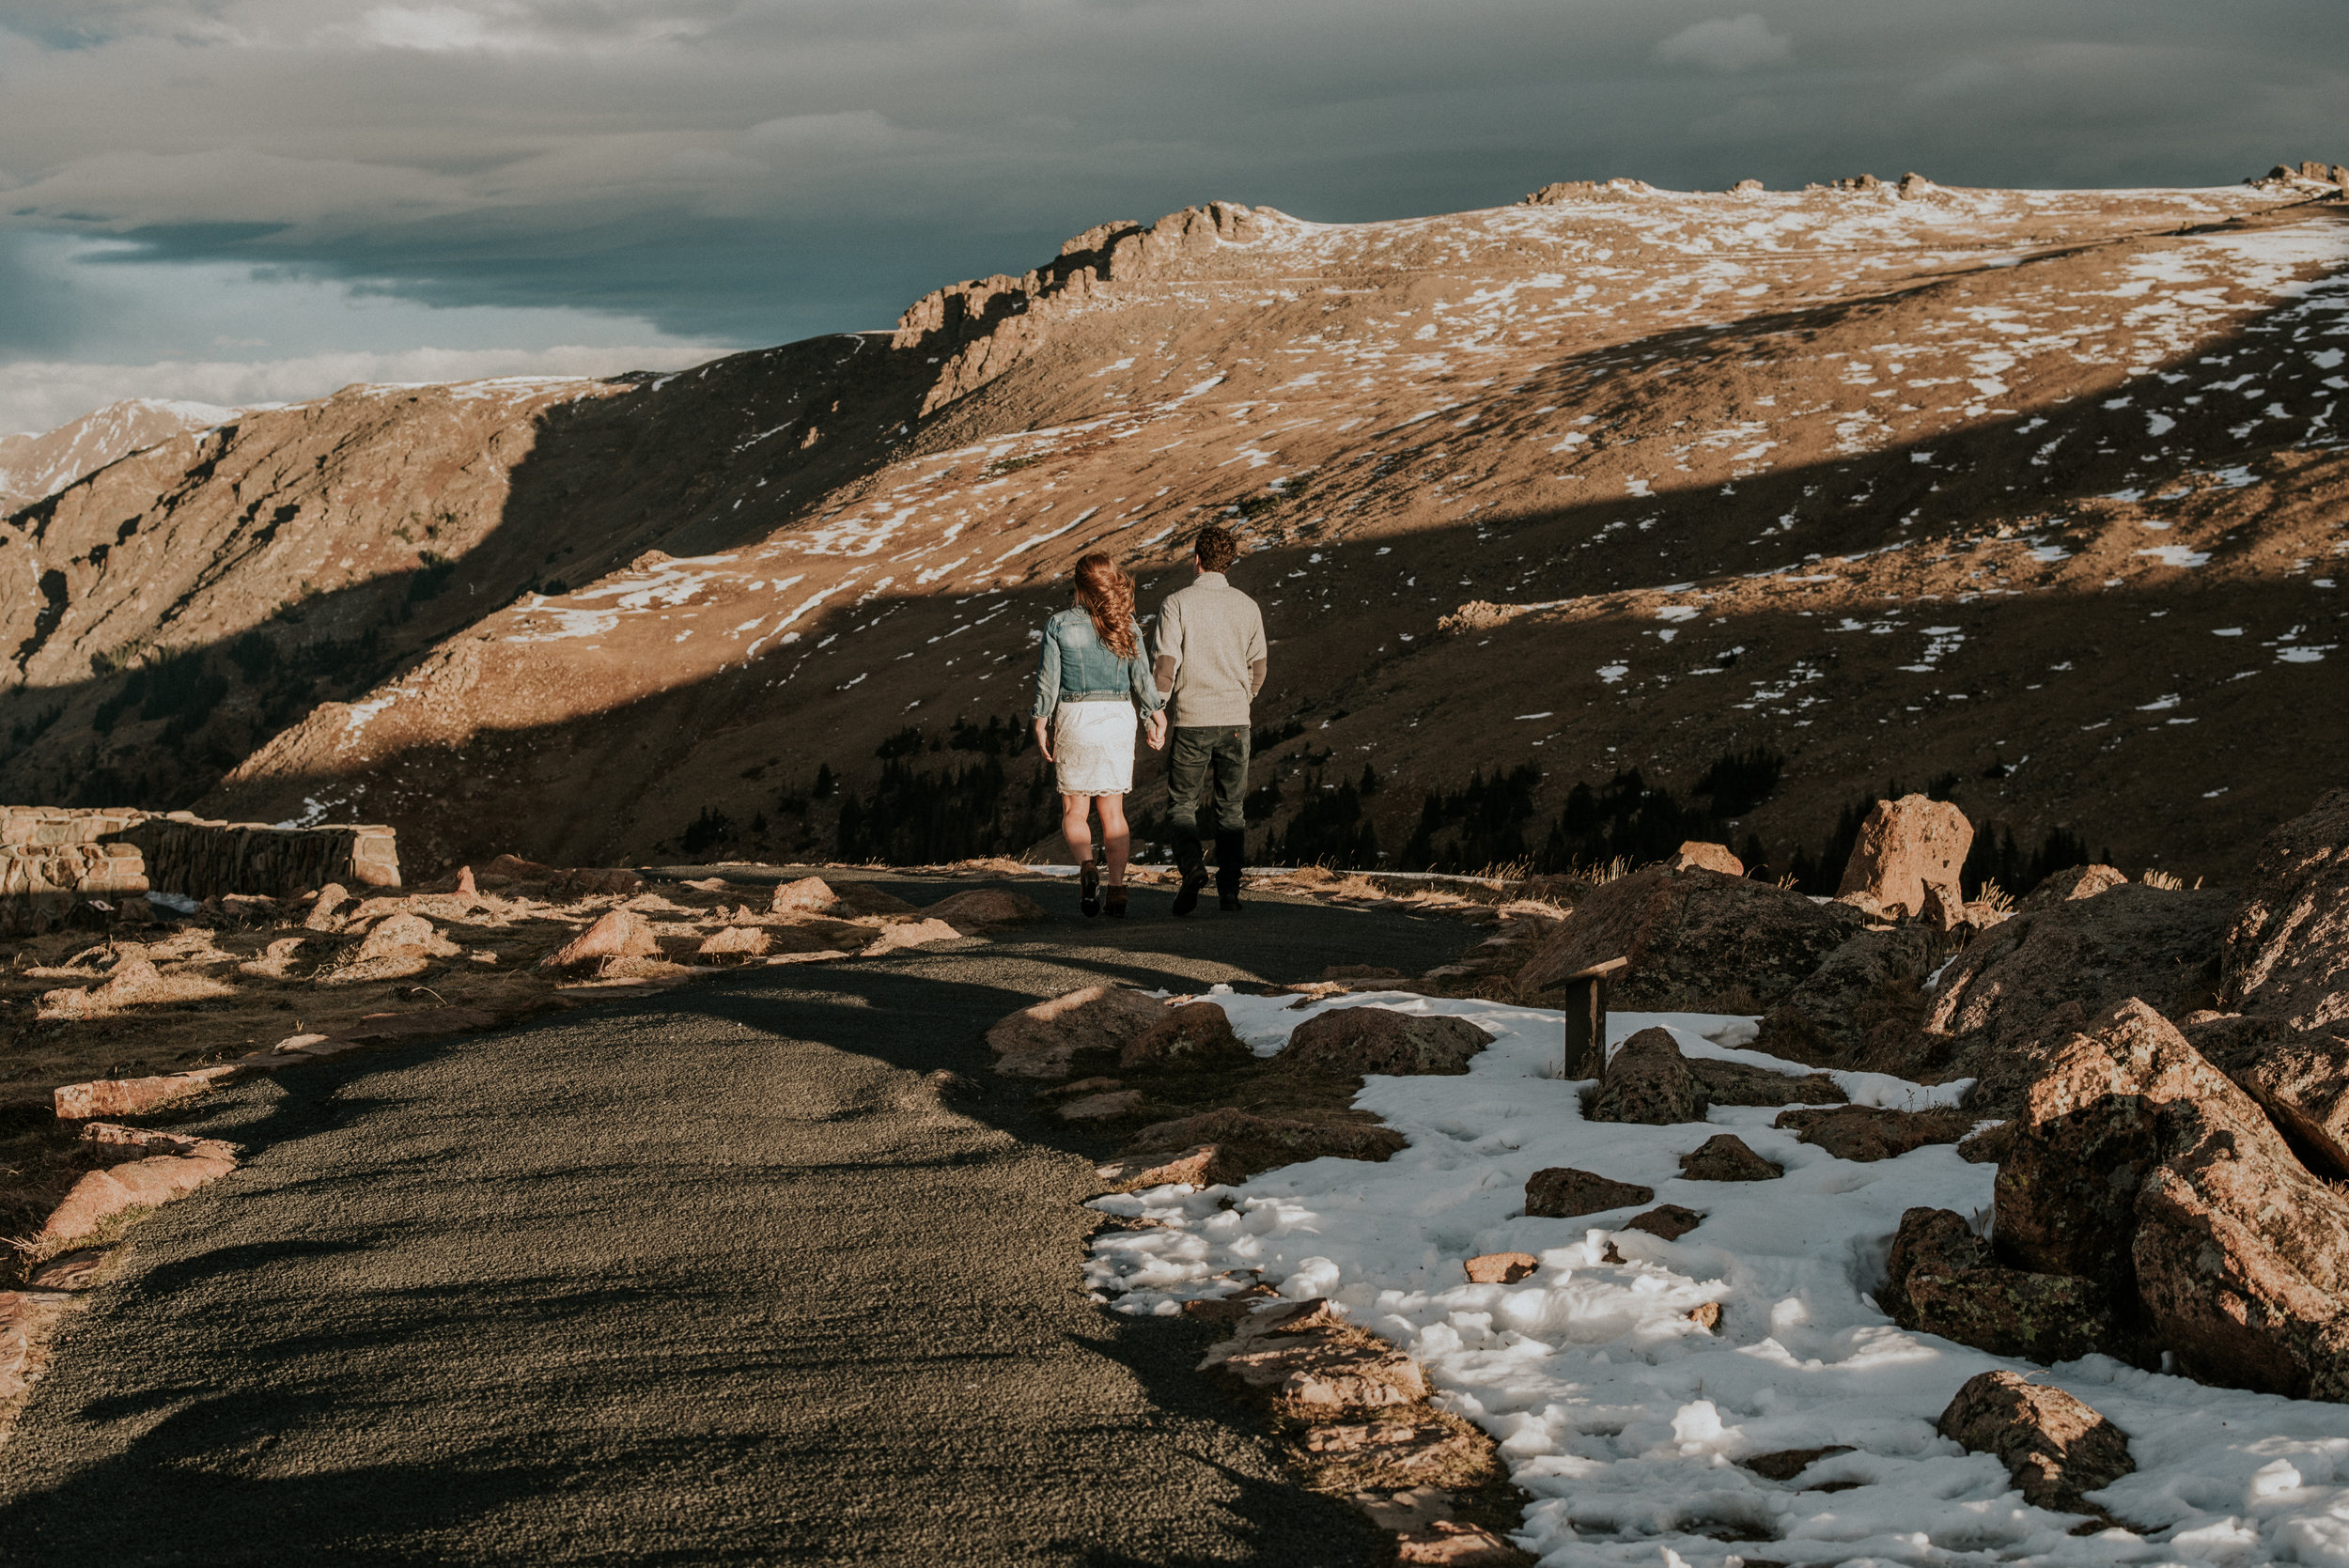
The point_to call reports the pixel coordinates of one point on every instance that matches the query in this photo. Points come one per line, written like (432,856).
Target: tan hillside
(32,467)
(2040,489)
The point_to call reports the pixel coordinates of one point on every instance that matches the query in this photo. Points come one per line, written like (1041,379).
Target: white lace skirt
(1093,748)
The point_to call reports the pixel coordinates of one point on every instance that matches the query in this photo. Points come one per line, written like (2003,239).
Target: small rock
(1102,1108)
(977,908)
(72,1271)
(406,936)
(2054,1446)
(1354,1041)
(1706,1315)
(465,887)
(1669,1220)
(616,933)
(1502,1268)
(809,896)
(1905,846)
(1725,1158)
(1194,1037)
(1864,1133)
(1648,1082)
(912,933)
(735,941)
(130,1097)
(1201,1165)
(1247,1144)
(1786,1464)
(100,1195)
(1564,1193)
(1708,857)
(1040,1041)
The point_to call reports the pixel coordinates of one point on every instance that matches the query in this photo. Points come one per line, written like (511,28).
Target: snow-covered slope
(36,466)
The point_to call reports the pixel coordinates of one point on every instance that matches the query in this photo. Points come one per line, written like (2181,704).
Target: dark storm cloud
(751,170)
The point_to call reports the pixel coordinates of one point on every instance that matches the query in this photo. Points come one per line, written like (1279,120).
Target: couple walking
(1205,664)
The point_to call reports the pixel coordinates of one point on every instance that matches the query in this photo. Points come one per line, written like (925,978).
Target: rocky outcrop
(1906,847)
(1690,936)
(1562,1192)
(2287,952)
(1706,857)
(2054,1446)
(1043,1040)
(1351,1041)
(1648,1082)
(1500,1268)
(1737,1084)
(2007,992)
(1727,1158)
(2299,1076)
(1194,1037)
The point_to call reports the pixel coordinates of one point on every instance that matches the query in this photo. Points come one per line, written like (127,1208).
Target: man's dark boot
(1231,852)
(1189,859)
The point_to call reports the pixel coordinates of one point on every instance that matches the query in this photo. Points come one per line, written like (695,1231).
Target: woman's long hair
(1108,595)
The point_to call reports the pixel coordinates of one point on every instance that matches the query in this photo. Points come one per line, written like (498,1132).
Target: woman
(1091,680)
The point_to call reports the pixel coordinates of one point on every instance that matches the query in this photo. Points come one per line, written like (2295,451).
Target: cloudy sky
(238,200)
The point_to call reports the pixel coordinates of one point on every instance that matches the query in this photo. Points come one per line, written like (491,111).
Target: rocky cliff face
(2035,494)
(34,467)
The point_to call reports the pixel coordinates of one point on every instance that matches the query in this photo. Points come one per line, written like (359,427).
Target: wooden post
(1586,1019)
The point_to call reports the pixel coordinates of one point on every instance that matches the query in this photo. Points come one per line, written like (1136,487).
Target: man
(1208,658)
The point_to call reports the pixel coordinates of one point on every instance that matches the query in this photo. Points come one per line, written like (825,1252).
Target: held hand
(1158,731)
(1044,740)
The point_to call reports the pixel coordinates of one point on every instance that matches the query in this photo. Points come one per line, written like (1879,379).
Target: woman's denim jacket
(1075,667)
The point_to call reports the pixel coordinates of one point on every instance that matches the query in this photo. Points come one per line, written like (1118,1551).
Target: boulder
(616,933)
(1352,1041)
(1689,938)
(1738,1084)
(612,880)
(1941,1279)
(2002,1002)
(1725,1158)
(978,908)
(1906,846)
(2054,1446)
(1500,1268)
(1248,1143)
(1862,1003)
(73,1272)
(1194,1037)
(809,896)
(1669,1220)
(326,910)
(1866,1132)
(2075,881)
(1564,1193)
(2287,950)
(2140,1166)
(130,1097)
(1706,857)
(1040,1041)
(1648,1082)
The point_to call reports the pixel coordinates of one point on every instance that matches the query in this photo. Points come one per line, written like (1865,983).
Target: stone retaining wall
(51,855)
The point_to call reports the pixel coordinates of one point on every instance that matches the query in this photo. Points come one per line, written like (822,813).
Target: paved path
(706,1278)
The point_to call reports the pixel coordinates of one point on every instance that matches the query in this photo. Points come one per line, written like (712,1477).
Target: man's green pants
(1196,754)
